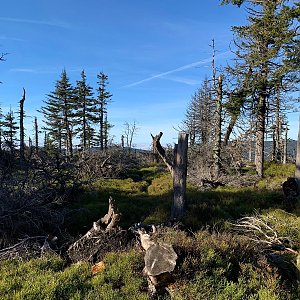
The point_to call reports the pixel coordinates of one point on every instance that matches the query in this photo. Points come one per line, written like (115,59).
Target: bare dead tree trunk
(178,170)
(284,158)
(297,172)
(179,177)
(260,129)
(22,134)
(218,129)
(218,90)
(229,129)
(130,132)
(36,133)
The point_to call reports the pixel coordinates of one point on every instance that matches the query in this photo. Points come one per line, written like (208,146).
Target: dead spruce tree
(297,172)
(22,133)
(178,170)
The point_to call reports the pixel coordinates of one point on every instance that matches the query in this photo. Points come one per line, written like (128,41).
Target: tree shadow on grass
(134,207)
(215,207)
(150,202)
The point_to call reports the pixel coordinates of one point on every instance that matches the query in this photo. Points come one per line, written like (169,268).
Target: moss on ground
(214,263)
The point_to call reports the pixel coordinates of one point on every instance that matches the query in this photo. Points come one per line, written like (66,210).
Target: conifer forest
(85,214)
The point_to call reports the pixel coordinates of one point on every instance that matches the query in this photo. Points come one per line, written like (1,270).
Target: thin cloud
(3,37)
(24,70)
(187,81)
(49,70)
(37,22)
(185,67)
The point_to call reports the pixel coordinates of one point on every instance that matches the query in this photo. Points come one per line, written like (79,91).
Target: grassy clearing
(48,278)
(210,266)
(147,198)
(137,200)
(214,263)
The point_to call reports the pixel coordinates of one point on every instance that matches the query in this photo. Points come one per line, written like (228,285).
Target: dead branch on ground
(105,236)
(258,231)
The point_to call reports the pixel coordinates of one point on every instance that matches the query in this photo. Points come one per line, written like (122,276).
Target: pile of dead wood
(106,236)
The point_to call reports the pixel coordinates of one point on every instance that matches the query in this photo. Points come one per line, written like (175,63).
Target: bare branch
(162,152)
(257,230)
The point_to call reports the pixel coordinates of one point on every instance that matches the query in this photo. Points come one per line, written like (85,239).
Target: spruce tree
(199,115)
(85,105)
(1,128)
(261,49)
(59,114)
(103,99)
(10,130)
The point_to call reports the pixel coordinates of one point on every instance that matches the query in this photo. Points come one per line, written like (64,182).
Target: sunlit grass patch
(48,278)
(275,175)
(215,207)
(122,276)
(43,278)
(161,185)
(279,170)
(121,185)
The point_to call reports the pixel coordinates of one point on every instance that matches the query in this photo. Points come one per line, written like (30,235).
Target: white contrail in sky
(28,21)
(185,67)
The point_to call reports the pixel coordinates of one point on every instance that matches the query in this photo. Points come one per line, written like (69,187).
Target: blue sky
(155,53)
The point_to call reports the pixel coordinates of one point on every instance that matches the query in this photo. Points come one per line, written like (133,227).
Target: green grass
(137,201)
(275,175)
(210,266)
(48,278)
(213,263)
(148,197)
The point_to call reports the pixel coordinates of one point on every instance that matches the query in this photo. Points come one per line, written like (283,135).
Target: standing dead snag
(297,172)
(22,134)
(178,169)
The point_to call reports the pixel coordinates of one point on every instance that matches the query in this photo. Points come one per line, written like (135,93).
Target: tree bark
(229,129)
(36,132)
(22,134)
(297,171)
(218,129)
(284,159)
(260,125)
(260,137)
(179,177)
(178,170)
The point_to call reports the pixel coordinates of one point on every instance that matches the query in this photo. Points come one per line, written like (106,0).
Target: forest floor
(214,261)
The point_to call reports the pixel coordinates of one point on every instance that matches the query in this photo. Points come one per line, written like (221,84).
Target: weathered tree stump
(178,170)
(297,171)
(105,236)
(290,191)
(160,261)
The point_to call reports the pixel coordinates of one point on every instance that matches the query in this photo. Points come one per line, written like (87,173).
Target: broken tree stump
(105,236)
(290,191)
(160,260)
(178,170)
(297,171)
